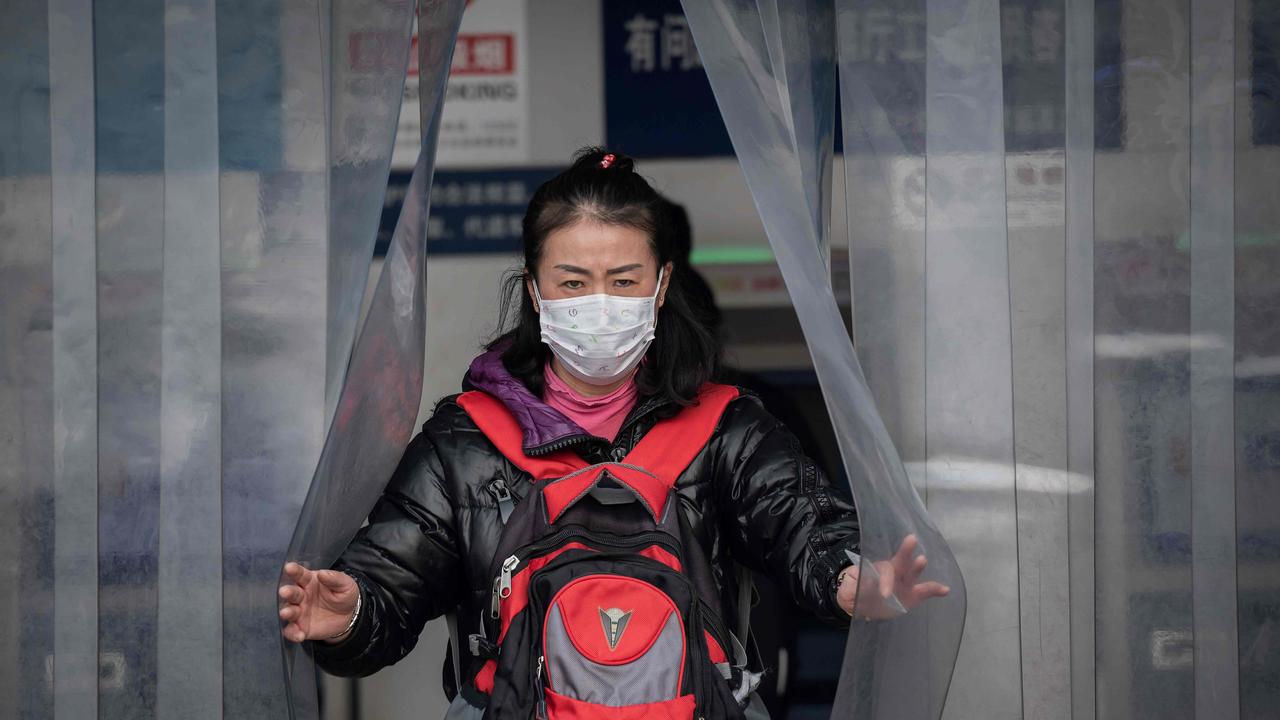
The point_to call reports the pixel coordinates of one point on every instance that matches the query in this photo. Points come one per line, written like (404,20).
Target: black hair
(602,186)
(697,291)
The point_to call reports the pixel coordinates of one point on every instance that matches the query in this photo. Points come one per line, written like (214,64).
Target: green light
(731,256)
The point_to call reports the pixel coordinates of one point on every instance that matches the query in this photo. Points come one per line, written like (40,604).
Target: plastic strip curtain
(1077,373)
(75,358)
(165,251)
(378,404)
(365,96)
(1212,364)
(1062,225)
(896,668)
(189,556)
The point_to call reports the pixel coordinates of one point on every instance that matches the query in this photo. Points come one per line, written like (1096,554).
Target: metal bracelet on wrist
(354,616)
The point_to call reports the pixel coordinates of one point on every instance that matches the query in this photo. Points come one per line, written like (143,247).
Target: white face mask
(599,338)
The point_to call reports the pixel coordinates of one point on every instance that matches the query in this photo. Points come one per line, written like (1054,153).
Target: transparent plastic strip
(368,54)
(1078,218)
(1256,309)
(883,106)
(968,360)
(75,360)
(1144,643)
(27,642)
(800,36)
(1213,458)
(274,269)
(128,43)
(882,673)
(1034,100)
(884,121)
(189,587)
(379,401)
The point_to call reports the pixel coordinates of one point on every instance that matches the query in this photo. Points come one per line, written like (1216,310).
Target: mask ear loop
(656,293)
(537,294)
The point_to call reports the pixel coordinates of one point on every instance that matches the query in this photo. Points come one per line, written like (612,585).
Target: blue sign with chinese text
(657,99)
(473,211)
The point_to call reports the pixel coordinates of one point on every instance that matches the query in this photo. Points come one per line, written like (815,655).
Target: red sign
(484,54)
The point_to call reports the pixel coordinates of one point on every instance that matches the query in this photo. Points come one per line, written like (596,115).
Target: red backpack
(601,606)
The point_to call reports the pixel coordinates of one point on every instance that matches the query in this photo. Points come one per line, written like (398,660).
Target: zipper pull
(537,684)
(504,580)
(502,586)
(501,491)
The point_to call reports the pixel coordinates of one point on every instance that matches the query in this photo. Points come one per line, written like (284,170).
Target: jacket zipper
(560,444)
(644,410)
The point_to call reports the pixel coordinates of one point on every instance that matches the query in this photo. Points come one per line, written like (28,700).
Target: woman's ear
(667,270)
(529,288)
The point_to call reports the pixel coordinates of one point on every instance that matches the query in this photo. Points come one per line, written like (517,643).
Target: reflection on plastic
(379,399)
(892,668)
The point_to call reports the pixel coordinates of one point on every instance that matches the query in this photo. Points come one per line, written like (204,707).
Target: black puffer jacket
(751,495)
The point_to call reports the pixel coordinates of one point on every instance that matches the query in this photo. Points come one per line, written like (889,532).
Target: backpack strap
(649,471)
(669,446)
(652,467)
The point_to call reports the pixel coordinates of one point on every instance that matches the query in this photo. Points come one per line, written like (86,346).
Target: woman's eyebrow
(624,268)
(573,269)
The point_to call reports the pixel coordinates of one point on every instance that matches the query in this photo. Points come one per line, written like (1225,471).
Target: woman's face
(589,258)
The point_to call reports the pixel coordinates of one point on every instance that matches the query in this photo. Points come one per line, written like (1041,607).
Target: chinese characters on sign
(666,45)
(657,99)
(471,211)
(485,116)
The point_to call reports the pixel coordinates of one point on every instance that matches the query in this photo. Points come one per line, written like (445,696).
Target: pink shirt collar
(601,416)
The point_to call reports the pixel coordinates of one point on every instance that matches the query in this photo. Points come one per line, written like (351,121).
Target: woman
(594,236)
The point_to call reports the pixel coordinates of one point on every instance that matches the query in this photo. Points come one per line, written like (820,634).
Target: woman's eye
(622,283)
(572,284)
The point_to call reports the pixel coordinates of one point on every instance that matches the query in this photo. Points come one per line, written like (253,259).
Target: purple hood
(539,422)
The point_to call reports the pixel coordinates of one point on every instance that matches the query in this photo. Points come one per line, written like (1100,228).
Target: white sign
(485,121)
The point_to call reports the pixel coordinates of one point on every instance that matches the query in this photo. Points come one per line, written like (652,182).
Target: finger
(887,575)
(905,550)
(931,589)
(334,580)
(293,633)
(917,569)
(295,572)
(291,593)
(289,613)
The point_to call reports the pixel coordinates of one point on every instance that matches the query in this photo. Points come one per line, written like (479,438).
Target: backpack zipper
(502,585)
(502,581)
(537,685)
(718,630)
(652,537)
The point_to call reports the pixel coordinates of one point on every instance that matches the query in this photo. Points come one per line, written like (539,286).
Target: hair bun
(598,158)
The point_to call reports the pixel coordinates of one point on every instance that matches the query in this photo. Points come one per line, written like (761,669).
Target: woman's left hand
(898,589)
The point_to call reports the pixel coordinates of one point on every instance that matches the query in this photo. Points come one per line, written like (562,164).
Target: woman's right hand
(318,603)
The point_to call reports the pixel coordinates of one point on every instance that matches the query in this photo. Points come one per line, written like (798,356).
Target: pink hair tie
(607,161)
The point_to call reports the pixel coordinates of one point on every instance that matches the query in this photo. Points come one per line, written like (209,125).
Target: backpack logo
(615,623)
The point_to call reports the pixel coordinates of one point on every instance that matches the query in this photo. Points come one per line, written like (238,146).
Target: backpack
(603,606)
